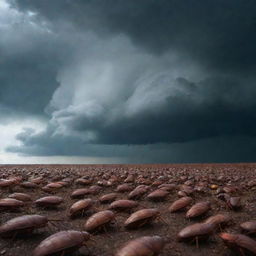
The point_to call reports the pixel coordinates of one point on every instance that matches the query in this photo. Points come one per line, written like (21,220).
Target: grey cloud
(220,34)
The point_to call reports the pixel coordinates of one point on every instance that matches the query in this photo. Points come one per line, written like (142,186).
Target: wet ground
(241,178)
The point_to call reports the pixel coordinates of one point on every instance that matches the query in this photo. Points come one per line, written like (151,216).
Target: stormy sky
(118,81)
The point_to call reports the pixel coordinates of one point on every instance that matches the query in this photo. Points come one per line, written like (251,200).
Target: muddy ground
(240,176)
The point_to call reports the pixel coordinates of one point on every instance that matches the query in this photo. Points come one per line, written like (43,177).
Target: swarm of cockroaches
(131,210)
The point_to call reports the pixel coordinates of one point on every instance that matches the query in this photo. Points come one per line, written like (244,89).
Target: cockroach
(81,192)
(130,178)
(108,198)
(61,243)
(198,231)
(138,192)
(124,188)
(180,204)
(234,203)
(79,207)
(230,189)
(49,201)
(99,220)
(22,225)
(241,243)
(143,246)
(94,189)
(187,189)
(29,185)
(168,187)
(158,195)
(83,182)
(21,197)
(198,209)
(37,180)
(218,220)
(9,183)
(52,187)
(141,218)
(123,205)
(249,227)
(10,204)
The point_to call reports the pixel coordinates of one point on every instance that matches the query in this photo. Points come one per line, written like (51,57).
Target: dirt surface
(241,178)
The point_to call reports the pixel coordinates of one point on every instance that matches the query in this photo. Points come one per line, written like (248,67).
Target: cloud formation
(114,78)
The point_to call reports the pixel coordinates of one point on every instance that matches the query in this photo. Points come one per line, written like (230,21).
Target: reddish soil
(242,177)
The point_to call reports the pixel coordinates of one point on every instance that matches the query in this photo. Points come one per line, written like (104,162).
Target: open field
(216,183)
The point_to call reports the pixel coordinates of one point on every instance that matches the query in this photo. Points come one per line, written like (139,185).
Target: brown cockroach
(52,187)
(99,220)
(141,218)
(168,187)
(187,189)
(198,231)
(10,204)
(49,201)
(94,189)
(22,225)
(9,183)
(123,205)
(37,180)
(81,192)
(61,243)
(218,220)
(158,195)
(108,198)
(180,204)
(29,185)
(130,178)
(240,243)
(249,227)
(124,188)
(142,246)
(234,203)
(138,192)
(21,197)
(198,209)
(83,182)
(79,207)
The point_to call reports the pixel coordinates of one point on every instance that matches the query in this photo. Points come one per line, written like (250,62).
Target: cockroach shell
(62,241)
(124,188)
(21,224)
(158,195)
(168,187)
(137,192)
(219,219)
(200,230)
(99,220)
(108,198)
(123,204)
(198,209)
(82,181)
(141,217)
(21,197)
(248,226)
(78,193)
(143,246)
(236,241)
(49,201)
(180,204)
(10,203)
(28,184)
(94,189)
(81,205)
(234,202)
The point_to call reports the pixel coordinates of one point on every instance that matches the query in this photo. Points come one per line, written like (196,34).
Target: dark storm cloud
(221,34)
(142,73)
